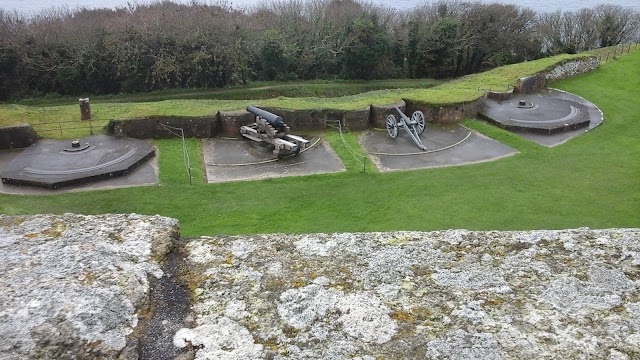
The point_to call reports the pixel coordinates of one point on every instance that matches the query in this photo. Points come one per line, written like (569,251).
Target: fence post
(85,109)
(60,125)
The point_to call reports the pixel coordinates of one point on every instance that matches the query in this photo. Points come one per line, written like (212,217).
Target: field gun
(414,126)
(271,129)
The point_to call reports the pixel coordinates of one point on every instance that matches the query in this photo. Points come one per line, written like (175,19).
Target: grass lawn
(593,180)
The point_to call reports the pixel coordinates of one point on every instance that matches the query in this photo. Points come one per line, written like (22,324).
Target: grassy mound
(593,180)
(461,90)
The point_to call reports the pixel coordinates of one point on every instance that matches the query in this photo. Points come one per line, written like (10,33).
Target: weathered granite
(569,294)
(74,286)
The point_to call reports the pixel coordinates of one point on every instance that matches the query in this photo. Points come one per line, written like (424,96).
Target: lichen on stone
(75,288)
(453,294)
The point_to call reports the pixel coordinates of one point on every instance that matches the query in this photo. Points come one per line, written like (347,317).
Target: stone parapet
(379,113)
(447,114)
(572,68)
(76,286)
(484,295)
(152,127)
(17,137)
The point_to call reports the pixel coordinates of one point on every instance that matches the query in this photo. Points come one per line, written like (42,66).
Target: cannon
(414,126)
(271,129)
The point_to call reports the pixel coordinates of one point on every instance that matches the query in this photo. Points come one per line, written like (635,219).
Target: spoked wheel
(418,118)
(392,126)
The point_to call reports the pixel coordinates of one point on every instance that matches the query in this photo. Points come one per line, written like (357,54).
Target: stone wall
(298,120)
(572,68)
(305,120)
(228,123)
(357,119)
(17,137)
(500,95)
(151,127)
(566,69)
(530,84)
(447,114)
(379,113)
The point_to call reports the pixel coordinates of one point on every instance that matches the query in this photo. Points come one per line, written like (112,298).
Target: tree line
(144,47)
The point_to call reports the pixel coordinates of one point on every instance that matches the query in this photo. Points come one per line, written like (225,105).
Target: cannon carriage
(270,129)
(414,126)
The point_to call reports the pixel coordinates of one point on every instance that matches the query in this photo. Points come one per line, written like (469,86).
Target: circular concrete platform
(558,114)
(449,145)
(54,164)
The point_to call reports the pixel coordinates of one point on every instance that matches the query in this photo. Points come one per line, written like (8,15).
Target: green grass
(593,180)
(461,90)
(256,91)
(349,150)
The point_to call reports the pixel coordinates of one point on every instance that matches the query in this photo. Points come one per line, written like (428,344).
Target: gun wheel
(392,126)
(418,118)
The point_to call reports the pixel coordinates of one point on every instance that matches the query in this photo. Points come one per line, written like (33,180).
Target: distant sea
(32,7)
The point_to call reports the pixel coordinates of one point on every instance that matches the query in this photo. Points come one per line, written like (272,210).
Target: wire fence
(495,88)
(73,128)
(356,155)
(185,152)
(610,53)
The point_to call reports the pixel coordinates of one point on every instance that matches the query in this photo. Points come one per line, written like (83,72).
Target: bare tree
(569,32)
(616,24)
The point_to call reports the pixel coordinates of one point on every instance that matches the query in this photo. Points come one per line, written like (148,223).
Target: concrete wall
(17,137)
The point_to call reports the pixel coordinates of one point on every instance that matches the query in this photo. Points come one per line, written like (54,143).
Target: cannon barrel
(273,119)
(402,115)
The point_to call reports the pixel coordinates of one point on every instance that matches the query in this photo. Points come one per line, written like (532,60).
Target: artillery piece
(414,126)
(270,128)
